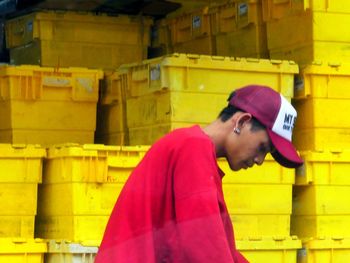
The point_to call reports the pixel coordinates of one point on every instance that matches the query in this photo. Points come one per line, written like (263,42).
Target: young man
(172,207)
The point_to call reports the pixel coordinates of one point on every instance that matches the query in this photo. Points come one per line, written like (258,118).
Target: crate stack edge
(320,208)
(20,175)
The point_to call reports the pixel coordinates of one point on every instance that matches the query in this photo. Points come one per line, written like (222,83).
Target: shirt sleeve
(198,216)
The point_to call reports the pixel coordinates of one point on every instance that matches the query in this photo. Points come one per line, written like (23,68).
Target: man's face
(250,147)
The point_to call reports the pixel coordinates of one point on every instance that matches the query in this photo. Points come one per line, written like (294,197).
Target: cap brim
(285,153)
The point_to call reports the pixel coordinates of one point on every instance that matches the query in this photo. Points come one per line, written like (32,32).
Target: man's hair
(227,112)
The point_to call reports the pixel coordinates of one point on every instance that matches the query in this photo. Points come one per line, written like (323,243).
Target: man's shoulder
(182,139)
(187,135)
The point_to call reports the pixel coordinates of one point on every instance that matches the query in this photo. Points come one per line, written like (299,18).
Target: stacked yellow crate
(80,186)
(308,30)
(57,104)
(22,250)
(234,28)
(160,93)
(323,99)
(321,210)
(77,39)
(321,206)
(314,33)
(191,32)
(48,105)
(188,32)
(20,174)
(239,29)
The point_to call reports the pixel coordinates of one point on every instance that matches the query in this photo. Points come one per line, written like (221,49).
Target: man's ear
(243,119)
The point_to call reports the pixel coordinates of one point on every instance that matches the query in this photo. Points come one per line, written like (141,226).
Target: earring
(236,130)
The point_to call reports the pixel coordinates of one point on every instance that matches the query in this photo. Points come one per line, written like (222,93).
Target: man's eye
(262,149)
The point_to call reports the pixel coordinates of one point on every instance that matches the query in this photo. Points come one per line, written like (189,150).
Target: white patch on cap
(285,120)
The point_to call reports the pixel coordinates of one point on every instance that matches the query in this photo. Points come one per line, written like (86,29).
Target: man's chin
(235,169)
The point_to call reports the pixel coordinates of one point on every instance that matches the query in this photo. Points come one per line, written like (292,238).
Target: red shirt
(172,209)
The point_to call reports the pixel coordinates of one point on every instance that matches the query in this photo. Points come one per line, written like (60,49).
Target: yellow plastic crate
(80,187)
(317,36)
(189,26)
(202,45)
(181,72)
(173,106)
(85,198)
(324,168)
(20,174)
(320,204)
(76,228)
(323,80)
(22,250)
(17,226)
(37,104)
(325,250)
(260,225)
(269,173)
(171,35)
(51,53)
(223,17)
(233,15)
(91,163)
(317,129)
(249,41)
(308,52)
(320,226)
(317,113)
(277,9)
(321,200)
(189,32)
(159,91)
(147,135)
(321,139)
(272,250)
(21,163)
(255,214)
(249,199)
(23,198)
(151,116)
(66,252)
(239,30)
(71,26)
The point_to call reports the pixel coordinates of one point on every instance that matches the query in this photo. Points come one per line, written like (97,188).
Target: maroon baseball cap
(276,114)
